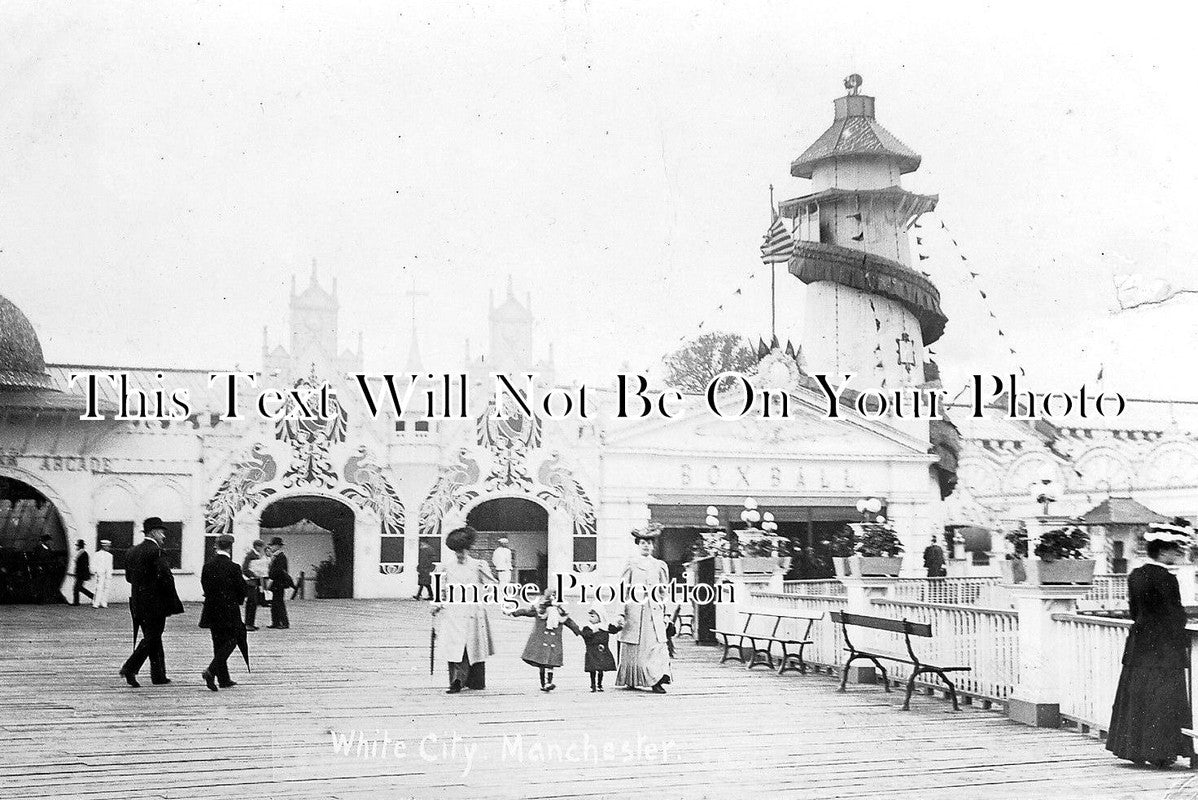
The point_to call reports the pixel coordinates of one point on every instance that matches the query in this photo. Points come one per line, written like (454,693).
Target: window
(585,549)
(422,426)
(390,552)
(121,534)
(400,426)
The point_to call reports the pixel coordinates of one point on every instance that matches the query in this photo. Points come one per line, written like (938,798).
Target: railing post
(860,594)
(1036,699)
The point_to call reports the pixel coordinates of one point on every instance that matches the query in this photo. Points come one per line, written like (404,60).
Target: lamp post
(868,506)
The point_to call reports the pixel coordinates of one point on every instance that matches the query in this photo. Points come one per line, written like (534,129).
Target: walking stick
(432,647)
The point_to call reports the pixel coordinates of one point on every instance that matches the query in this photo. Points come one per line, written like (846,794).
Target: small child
(544,648)
(596,634)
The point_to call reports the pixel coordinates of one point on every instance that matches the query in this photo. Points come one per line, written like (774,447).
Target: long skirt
(1150,709)
(643,665)
(471,676)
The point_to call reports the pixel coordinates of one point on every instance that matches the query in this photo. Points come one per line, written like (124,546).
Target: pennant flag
(983,294)
(1101,367)
(777,247)
(856,216)
(973,274)
(720,307)
(859,237)
(700,326)
(737,291)
(942,227)
(954,241)
(916,225)
(919,240)
(922,257)
(963,258)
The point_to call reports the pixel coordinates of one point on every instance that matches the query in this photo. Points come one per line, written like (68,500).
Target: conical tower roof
(854,133)
(22,365)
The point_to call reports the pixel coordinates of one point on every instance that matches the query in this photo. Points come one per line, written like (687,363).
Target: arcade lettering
(51,463)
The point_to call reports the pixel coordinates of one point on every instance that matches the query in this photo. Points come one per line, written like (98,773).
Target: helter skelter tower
(868,311)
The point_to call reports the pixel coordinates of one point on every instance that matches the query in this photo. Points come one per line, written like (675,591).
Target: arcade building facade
(364,500)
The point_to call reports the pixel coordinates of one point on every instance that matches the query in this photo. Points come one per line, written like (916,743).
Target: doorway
(525,525)
(31,568)
(318,534)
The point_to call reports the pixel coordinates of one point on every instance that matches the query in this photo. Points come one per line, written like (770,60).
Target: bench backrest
(883,623)
(783,624)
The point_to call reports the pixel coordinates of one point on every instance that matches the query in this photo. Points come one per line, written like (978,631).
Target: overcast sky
(166,168)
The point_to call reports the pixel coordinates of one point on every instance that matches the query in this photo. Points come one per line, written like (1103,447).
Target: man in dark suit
(224,592)
(83,571)
(280,582)
(152,599)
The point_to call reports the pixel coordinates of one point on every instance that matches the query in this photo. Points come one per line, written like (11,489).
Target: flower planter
(876,566)
(1012,571)
(759,565)
(1062,571)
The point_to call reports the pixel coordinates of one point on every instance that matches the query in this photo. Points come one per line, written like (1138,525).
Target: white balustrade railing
(950,591)
(830,586)
(982,638)
(827,647)
(1089,655)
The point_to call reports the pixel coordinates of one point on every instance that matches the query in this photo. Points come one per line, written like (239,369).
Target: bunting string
(975,282)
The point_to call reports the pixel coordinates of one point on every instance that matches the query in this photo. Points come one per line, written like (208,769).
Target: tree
(691,367)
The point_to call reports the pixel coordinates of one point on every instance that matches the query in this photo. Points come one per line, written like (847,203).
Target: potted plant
(878,550)
(1012,567)
(1061,558)
(763,553)
(715,543)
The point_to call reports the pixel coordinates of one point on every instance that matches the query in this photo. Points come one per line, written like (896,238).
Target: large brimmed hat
(1176,532)
(277,541)
(460,539)
(648,533)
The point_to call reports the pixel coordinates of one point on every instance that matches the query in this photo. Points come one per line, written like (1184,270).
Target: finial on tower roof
(853,83)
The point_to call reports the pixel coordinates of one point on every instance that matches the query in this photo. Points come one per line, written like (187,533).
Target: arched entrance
(525,524)
(319,536)
(29,571)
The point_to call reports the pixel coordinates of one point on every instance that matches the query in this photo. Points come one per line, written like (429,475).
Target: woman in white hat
(1151,705)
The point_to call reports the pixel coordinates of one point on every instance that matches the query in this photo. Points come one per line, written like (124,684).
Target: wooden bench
(907,629)
(760,633)
(684,621)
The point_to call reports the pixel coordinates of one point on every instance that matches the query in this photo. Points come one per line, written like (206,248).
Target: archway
(319,536)
(29,571)
(525,524)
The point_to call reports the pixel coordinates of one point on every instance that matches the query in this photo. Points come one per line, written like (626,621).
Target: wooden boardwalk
(71,728)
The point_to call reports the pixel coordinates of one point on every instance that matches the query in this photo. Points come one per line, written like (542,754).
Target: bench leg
(727,650)
(910,690)
(885,677)
(952,691)
(758,653)
(844,677)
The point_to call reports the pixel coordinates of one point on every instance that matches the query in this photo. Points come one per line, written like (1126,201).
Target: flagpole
(773,278)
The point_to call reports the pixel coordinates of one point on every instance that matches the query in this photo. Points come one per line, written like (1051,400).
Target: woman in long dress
(1151,705)
(644,652)
(463,629)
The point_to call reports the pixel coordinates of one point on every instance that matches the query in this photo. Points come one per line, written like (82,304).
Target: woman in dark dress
(1151,705)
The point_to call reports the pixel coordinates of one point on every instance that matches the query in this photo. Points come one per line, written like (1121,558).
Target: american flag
(778,247)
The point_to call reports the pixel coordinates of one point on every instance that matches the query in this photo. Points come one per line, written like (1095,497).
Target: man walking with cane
(224,592)
(152,599)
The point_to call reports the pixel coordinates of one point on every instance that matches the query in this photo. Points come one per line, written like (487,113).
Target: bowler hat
(224,542)
(276,541)
(152,523)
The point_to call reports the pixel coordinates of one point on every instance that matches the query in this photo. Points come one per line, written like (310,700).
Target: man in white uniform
(502,560)
(102,570)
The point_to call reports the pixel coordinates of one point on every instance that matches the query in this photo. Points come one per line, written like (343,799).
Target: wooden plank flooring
(71,728)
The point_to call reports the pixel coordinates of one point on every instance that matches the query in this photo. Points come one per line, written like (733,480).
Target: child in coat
(544,648)
(596,635)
